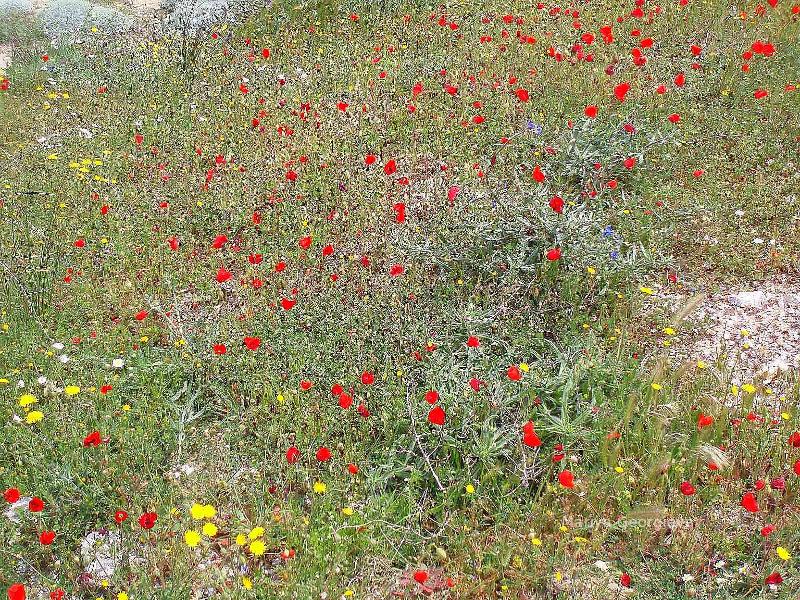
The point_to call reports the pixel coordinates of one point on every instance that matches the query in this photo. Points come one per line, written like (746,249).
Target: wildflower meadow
(378,299)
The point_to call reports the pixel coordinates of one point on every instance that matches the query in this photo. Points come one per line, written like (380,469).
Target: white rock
(748,299)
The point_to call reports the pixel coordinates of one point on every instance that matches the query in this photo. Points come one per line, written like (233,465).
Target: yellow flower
(655,386)
(347,511)
(320,487)
(209,512)
(255,533)
(27,400)
(192,538)
(701,364)
(257,548)
(734,389)
(646,290)
(591,270)
(619,469)
(669,331)
(785,416)
(749,388)
(72,390)
(524,367)
(209,529)
(122,596)
(536,541)
(470,488)
(196,511)
(783,553)
(241,539)
(33,417)
(247,583)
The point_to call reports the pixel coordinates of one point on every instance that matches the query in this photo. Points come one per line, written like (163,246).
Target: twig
(419,442)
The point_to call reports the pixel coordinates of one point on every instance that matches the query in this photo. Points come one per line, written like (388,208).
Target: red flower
(772,579)
(323,454)
(223,275)
(367,378)
(46,537)
(287,304)
(120,516)
(396,270)
(345,400)
(749,502)
(94,439)
(621,90)
(431,396)
(553,254)
(687,489)
(567,479)
(292,455)
(141,315)
(590,111)
(36,504)
(529,437)
(680,79)
(473,342)
(220,349)
(522,94)
(148,520)
(252,343)
(420,577)
(794,439)
(390,167)
(16,592)
(305,242)
(625,580)
(11,495)
(219,241)
(557,204)
(796,468)
(514,374)
(704,420)
(353,469)
(537,174)
(436,416)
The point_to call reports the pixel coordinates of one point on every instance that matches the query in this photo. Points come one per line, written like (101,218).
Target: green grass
(468,500)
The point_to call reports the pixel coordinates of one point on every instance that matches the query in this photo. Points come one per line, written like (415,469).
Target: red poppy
(220,349)
(772,579)
(323,454)
(305,242)
(436,416)
(11,495)
(396,270)
(553,254)
(687,489)
(252,343)
(148,520)
(36,504)
(292,455)
(94,439)
(420,577)
(625,580)
(704,420)
(219,241)
(621,90)
(367,378)
(529,437)
(120,517)
(749,502)
(514,374)
(537,174)
(287,304)
(557,204)
(345,400)
(522,95)
(46,537)
(390,167)
(590,111)
(223,275)
(431,396)
(566,479)
(16,592)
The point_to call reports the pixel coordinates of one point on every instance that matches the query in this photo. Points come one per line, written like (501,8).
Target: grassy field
(373,300)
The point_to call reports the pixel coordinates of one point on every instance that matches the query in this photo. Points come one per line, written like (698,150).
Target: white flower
(117,363)
(58,345)
(42,380)
(687,578)
(64,358)
(603,566)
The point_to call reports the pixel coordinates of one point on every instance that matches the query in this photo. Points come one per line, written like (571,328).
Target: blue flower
(535,127)
(614,255)
(608,231)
